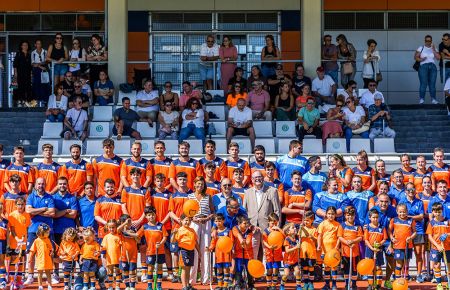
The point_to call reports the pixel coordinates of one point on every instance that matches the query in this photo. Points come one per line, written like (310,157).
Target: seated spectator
(123,121)
(332,128)
(169,96)
(276,81)
(350,90)
(104,89)
(235,94)
(57,105)
(76,121)
(147,102)
(447,94)
(240,122)
(256,75)
(187,94)
(354,118)
(300,101)
(68,85)
(259,102)
(193,121)
(284,104)
(85,87)
(299,80)
(79,93)
(238,78)
(323,88)
(380,117)
(308,120)
(367,99)
(168,122)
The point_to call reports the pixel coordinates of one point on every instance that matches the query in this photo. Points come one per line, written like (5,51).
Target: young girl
(43,250)
(128,257)
(329,230)
(112,243)
(3,242)
(308,253)
(68,252)
(350,239)
(90,252)
(243,250)
(374,237)
(402,232)
(273,256)
(291,255)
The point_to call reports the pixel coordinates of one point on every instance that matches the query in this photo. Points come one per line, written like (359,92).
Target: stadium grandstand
(133,107)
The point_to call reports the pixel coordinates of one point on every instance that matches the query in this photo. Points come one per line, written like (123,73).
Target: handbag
(377,76)
(347,67)
(365,127)
(45,77)
(416,65)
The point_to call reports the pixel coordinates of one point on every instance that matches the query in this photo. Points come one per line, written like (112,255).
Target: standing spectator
(228,54)
(38,57)
(256,75)
(77,54)
(285,104)
(240,122)
(68,86)
(96,52)
(323,88)
(347,56)
(104,89)
(193,121)
(444,51)
(380,117)
(332,128)
(447,94)
(299,80)
(22,75)
(147,102)
(187,94)
(124,118)
(290,162)
(57,105)
(76,122)
(235,94)
(276,80)
(354,117)
(329,58)
(238,78)
(308,120)
(57,52)
(168,122)
(209,53)
(371,67)
(270,52)
(259,102)
(79,93)
(368,98)
(169,96)
(427,55)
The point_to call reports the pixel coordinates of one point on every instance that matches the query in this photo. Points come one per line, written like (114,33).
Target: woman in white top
(57,105)
(427,55)
(168,122)
(354,118)
(371,67)
(193,121)
(77,53)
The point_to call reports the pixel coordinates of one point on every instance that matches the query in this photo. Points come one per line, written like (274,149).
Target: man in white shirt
(147,102)
(368,98)
(76,121)
(323,88)
(240,122)
(209,52)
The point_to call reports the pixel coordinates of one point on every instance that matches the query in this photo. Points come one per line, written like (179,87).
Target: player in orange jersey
(291,255)
(111,244)
(9,198)
(186,164)
(128,256)
(234,161)
(48,169)
(406,168)
(135,198)
(439,170)
(243,249)
(375,236)
(308,253)
(420,173)
(77,170)
(161,163)
(68,252)
(25,171)
(3,165)
(136,161)
(210,156)
(364,171)
(107,166)
(274,256)
(238,183)
(90,252)
(271,181)
(3,242)
(297,200)
(259,152)
(338,168)
(381,175)
(107,207)
(43,249)
(212,186)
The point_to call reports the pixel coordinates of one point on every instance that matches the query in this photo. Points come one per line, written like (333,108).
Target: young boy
(374,237)
(273,256)
(271,180)
(243,249)
(308,253)
(238,182)
(212,185)
(187,241)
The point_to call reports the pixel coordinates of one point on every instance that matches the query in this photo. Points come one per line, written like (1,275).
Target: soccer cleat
(439,287)
(85,288)
(388,284)
(420,279)
(49,287)
(299,287)
(421,101)
(281,287)
(55,279)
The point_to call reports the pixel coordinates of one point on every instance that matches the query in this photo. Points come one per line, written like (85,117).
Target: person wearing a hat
(368,97)
(323,88)
(308,120)
(380,117)
(276,81)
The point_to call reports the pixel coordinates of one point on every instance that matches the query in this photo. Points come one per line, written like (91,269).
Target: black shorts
(156,259)
(240,131)
(187,256)
(127,130)
(2,247)
(89,266)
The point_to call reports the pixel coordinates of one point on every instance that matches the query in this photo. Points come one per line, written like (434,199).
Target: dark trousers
(316,132)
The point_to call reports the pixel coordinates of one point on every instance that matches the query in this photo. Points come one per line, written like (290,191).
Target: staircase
(21,124)
(421,128)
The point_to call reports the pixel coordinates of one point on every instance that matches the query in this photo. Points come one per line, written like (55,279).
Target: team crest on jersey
(115,161)
(142,164)
(192,163)
(46,202)
(53,167)
(3,166)
(433,256)
(166,195)
(82,166)
(167,163)
(67,202)
(24,168)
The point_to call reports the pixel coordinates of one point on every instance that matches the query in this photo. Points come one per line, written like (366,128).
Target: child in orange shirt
(68,252)
(308,253)
(329,232)
(291,255)
(43,250)
(402,232)
(112,244)
(90,252)
(351,237)
(243,249)
(273,256)
(374,237)
(3,241)
(212,185)
(128,257)
(187,240)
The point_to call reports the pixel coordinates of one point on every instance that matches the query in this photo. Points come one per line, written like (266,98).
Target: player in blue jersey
(314,177)
(290,162)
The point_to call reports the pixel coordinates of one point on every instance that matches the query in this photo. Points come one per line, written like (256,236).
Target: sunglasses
(339,105)
(373,85)
(410,189)
(310,103)
(348,102)
(77,86)
(210,41)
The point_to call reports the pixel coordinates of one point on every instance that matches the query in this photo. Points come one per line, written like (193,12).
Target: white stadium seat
(102,113)
(215,92)
(263,128)
(359,144)
(285,129)
(66,146)
(147,146)
(145,130)
(196,146)
(244,145)
(269,144)
(336,145)
(55,142)
(383,145)
(99,130)
(221,146)
(94,147)
(221,130)
(131,95)
(219,111)
(171,147)
(312,146)
(361,92)
(52,130)
(283,145)
(122,147)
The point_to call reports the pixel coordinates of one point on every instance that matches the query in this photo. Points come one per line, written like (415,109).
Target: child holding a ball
(273,255)
(291,255)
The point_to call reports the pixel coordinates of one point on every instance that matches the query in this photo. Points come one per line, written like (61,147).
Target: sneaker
(117,288)
(110,288)
(334,288)
(434,102)
(439,287)
(85,288)
(49,287)
(421,101)
(144,278)
(92,288)
(281,287)
(388,284)
(29,280)
(419,279)
(299,287)
(55,279)
(40,288)
(169,277)
(66,288)
(176,279)
(433,280)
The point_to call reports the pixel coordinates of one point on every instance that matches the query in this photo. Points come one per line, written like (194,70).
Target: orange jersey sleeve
(351,232)
(68,251)
(436,229)
(154,234)
(292,196)
(77,174)
(144,165)
(105,168)
(290,258)
(26,173)
(50,173)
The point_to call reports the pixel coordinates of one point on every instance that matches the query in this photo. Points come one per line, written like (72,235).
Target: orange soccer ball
(400,284)
(276,239)
(190,207)
(365,266)
(256,268)
(224,244)
(332,258)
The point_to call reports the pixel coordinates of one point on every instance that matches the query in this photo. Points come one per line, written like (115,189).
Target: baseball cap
(320,69)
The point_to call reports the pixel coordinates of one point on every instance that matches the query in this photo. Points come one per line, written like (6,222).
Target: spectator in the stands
(147,102)
(57,52)
(270,52)
(228,55)
(209,53)
(350,90)
(188,93)
(368,97)
(276,80)
(447,94)
(285,104)
(85,87)
(104,89)
(67,84)
(169,96)
(323,88)
(354,118)
(240,122)
(380,117)
(236,94)
(300,101)
(38,56)
(22,76)
(256,75)
(299,80)
(332,128)
(444,51)
(168,122)
(76,54)
(79,93)
(124,118)
(57,105)
(193,121)
(347,57)
(308,120)
(427,54)
(371,66)
(96,52)
(238,78)
(329,58)
(259,102)
(76,121)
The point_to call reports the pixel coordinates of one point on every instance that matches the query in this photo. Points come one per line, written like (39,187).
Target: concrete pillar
(117,18)
(311,18)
